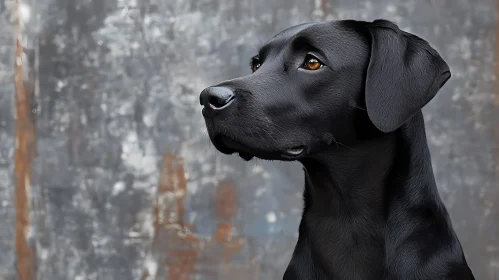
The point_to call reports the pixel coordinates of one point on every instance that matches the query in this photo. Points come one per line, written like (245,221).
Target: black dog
(344,98)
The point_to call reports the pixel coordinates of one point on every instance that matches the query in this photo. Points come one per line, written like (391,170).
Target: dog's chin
(230,146)
(246,156)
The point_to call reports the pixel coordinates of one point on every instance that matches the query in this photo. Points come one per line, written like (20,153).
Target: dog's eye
(312,63)
(255,64)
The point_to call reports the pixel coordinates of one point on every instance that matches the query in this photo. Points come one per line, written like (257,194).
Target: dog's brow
(263,51)
(297,42)
(303,42)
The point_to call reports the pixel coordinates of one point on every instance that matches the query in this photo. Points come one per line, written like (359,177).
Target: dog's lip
(229,145)
(204,112)
(220,143)
(246,156)
(295,151)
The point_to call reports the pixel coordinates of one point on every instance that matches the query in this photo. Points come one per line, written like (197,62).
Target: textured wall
(125,184)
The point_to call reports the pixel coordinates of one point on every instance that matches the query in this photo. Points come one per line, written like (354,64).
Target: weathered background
(124,183)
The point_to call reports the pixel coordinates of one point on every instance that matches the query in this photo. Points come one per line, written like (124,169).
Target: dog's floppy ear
(403,75)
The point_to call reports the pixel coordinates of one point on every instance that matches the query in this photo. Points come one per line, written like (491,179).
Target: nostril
(217,97)
(218,102)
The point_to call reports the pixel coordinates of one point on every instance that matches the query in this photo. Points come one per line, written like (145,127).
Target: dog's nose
(217,98)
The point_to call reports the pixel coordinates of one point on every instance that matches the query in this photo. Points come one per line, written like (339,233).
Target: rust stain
(232,246)
(225,201)
(181,246)
(24,153)
(182,262)
(171,192)
(178,249)
(145,275)
(323,7)
(225,209)
(320,9)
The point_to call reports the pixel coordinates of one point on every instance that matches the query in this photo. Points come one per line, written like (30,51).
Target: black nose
(217,98)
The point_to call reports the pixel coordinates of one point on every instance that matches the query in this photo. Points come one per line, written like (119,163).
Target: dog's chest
(345,249)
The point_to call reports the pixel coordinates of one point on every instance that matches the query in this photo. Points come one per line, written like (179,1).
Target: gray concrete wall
(124,183)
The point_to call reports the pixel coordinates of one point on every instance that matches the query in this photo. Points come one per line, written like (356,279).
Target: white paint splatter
(60,85)
(24,12)
(271,217)
(30,233)
(151,266)
(465,47)
(147,224)
(134,234)
(118,187)
(135,45)
(149,118)
(142,161)
(257,169)
(260,191)
(391,9)
(156,32)
(42,252)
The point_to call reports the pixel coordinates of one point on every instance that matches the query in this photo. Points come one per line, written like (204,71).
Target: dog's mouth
(294,152)
(228,145)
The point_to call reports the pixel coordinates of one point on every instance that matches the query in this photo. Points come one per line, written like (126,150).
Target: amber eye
(312,63)
(255,64)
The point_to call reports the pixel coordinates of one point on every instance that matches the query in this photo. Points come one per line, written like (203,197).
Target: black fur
(372,209)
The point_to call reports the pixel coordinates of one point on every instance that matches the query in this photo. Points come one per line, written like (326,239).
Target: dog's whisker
(277,129)
(348,147)
(275,140)
(273,127)
(249,128)
(360,108)
(334,139)
(341,144)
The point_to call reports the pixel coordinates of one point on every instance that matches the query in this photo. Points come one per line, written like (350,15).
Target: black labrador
(344,98)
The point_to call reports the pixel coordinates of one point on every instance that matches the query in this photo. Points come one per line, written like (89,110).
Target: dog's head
(322,84)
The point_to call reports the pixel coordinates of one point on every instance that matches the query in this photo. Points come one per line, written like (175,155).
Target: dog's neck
(358,198)
(357,178)
(349,177)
